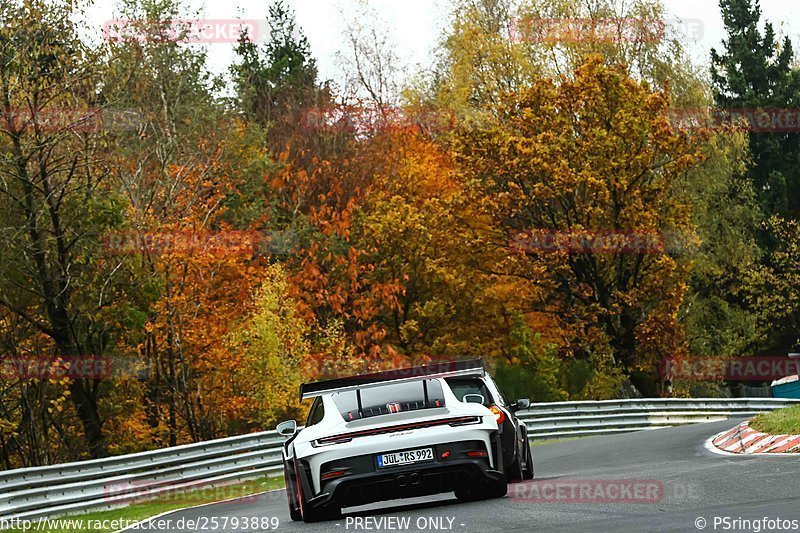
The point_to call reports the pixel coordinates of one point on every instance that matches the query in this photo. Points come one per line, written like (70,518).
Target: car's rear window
(463,386)
(389,398)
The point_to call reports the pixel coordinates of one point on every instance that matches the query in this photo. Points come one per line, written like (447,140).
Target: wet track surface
(662,480)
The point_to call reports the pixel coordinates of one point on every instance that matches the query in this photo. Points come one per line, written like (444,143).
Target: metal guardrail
(576,419)
(31,493)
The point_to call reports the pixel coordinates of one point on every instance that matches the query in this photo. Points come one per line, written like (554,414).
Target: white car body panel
(304,447)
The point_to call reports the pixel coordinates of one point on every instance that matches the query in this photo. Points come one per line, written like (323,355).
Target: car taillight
(465,421)
(477,453)
(332,474)
(335,440)
(498,414)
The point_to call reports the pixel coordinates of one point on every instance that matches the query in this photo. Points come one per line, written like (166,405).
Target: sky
(415,26)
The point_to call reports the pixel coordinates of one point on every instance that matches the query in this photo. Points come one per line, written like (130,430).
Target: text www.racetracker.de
(203,523)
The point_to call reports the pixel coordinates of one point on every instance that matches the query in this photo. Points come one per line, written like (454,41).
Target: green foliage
(390,245)
(278,77)
(715,327)
(774,287)
(717,318)
(534,370)
(56,202)
(607,379)
(756,71)
(273,345)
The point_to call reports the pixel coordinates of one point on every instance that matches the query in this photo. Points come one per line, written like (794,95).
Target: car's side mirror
(287,429)
(474,398)
(522,403)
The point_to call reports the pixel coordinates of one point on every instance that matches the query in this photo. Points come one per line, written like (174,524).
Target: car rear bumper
(406,481)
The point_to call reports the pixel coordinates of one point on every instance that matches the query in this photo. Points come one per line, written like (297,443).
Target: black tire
(295,514)
(291,495)
(527,472)
(513,470)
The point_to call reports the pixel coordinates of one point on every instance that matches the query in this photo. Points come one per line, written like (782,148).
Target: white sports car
(395,434)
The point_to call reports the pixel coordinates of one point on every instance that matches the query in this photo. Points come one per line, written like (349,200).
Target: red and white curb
(743,440)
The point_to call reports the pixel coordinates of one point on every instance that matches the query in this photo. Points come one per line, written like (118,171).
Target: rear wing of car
(471,367)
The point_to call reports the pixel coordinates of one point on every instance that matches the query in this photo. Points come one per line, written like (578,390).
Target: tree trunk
(86,405)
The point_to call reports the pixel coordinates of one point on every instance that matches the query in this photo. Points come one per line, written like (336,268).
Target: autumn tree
(496,46)
(56,202)
(273,345)
(330,268)
(478,60)
(188,183)
(594,154)
(427,230)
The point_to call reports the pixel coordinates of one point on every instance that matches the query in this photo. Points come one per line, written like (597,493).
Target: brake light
(498,414)
(341,439)
(477,453)
(332,474)
(465,421)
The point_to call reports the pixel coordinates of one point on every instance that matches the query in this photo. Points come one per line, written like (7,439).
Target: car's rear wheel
(291,494)
(295,514)
(527,472)
(513,470)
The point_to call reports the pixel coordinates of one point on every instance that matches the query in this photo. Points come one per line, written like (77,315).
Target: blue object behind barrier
(786,390)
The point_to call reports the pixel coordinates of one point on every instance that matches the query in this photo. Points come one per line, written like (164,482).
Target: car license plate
(405,458)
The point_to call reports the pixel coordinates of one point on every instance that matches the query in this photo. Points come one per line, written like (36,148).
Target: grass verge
(116,519)
(553,441)
(784,421)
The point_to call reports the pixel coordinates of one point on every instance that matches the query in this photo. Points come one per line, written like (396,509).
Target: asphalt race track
(692,487)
